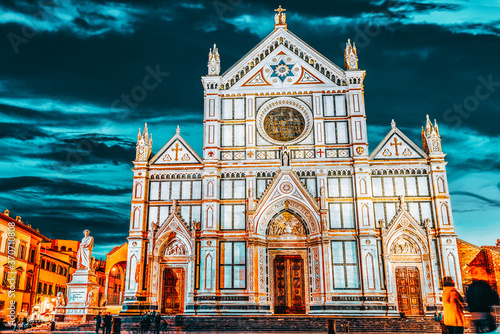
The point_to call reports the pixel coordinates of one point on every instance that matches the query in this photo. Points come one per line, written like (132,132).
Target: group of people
(480,297)
(148,319)
(103,322)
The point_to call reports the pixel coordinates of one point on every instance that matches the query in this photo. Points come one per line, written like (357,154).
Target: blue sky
(67,144)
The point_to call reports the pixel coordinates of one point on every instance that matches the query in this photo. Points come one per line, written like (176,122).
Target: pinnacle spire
(213,61)
(178,130)
(350,56)
(431,138)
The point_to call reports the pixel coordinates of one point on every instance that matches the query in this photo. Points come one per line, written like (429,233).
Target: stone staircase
(311,324)
(296,323)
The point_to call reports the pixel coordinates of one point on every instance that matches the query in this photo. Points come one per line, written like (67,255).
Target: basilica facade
(287,211)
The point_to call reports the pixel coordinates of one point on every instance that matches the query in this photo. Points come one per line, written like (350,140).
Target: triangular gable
(175,222)
(307,78)
(282,45)
(397,146)
(404,224)
(287,188)
(257,80)
(176,151)
(174,226)
(286,184)
(283,69)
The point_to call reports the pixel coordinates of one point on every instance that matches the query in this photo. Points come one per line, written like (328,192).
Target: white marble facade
(286,173)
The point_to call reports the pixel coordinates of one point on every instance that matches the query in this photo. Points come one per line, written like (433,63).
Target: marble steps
(278,324)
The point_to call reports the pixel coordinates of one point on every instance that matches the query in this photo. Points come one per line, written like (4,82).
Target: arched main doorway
(287,245)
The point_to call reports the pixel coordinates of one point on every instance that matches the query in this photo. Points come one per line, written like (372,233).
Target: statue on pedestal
(60,302)
(83,256)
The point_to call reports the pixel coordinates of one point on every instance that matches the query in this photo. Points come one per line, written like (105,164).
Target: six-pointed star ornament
(282,70)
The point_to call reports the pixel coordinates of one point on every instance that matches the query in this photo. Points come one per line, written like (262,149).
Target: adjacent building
(19,255)
(288,210)
(485,258)
(57,264)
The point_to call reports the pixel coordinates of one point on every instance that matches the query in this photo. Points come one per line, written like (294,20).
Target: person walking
(98,320)
(107,323)
(157,322)
(453,305)
(480,298)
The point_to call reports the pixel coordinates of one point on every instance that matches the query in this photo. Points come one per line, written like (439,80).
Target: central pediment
(284,61)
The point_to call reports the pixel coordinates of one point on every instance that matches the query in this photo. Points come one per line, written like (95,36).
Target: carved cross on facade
(396,144)
(320,153)
(177,149)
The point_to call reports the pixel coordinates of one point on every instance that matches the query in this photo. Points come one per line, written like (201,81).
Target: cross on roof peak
(280,17)
(279,10)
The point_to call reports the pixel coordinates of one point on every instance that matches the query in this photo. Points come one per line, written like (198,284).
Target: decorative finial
(144,144)
(431,138)
(145,133)
(350,56)
(279,17)
(393,124)
(213,61)
(178,130)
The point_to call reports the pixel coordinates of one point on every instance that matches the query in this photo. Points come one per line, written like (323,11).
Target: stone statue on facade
(280,16)
(402,205)
(83,256)
(285,156)
(251,200)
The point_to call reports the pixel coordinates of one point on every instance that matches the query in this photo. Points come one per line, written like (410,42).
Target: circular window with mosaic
(284,124)
(284,120)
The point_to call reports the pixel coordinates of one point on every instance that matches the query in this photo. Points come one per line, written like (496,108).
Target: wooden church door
(173,290)
(289,297)
(408,287)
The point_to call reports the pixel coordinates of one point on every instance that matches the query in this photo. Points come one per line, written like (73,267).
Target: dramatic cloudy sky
(67,144)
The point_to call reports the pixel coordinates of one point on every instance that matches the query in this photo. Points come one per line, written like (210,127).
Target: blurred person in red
(480,298)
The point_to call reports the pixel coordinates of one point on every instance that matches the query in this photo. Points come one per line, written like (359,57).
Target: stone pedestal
(83,295)
(60,313)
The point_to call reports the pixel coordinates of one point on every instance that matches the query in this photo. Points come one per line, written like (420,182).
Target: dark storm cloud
(87,150)
(20,131)
(492,202)
(475,164)
(56,186)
